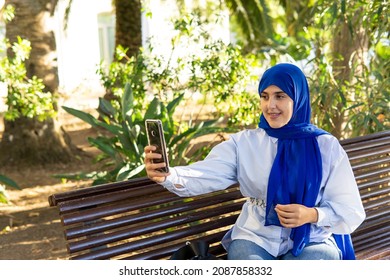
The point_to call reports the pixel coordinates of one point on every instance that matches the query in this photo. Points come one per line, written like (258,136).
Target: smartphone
(155,133)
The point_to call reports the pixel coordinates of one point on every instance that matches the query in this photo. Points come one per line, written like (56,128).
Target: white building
(89,39)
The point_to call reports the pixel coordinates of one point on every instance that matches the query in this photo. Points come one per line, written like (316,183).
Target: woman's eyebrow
(275,92)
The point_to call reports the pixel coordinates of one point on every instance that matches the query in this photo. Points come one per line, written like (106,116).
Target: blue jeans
(241,249)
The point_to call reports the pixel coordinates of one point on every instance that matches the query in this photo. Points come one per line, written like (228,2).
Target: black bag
(194,250)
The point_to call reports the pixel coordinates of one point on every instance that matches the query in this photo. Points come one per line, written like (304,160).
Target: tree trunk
(128,29)
(32,22)
(29,140)
(351,47)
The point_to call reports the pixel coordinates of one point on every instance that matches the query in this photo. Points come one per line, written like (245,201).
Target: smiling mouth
(274,115)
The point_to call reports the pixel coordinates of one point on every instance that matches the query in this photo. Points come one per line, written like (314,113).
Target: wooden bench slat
(364,165)
(366,145)
(376,216)
(366,237)
(368,153)
(374,173)
(86,202)
(118,208)
(377,183)
(166,251)
(146,228)
(374,191)
(369,227)
(155,240)
(381,252)
(382,240)
(55,199)
(381,203)
(143,229)
(365,138)
(101,226)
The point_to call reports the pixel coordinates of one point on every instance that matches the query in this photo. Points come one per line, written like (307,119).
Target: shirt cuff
(171,184)
(321,216)
(167,184)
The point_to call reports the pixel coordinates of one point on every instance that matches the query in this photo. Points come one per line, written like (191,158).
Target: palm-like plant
(124,138)
(253,21)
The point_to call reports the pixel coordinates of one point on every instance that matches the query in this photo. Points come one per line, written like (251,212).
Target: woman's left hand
(295,215)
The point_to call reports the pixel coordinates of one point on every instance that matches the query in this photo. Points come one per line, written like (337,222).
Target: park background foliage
(343,47)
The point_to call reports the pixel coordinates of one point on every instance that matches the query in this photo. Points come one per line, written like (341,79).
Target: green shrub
(26,97)
(124,137)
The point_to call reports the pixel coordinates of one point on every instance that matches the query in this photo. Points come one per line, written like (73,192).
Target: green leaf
(88,118)
(355,105)
(125,137)
(3,195)
(135,131)
(9,182)
(126,172)
(106,148)
(127,101)
(154,109)
(203,128)
(343,8)
(171,107)
(106,107)
(113,127)
(383,50)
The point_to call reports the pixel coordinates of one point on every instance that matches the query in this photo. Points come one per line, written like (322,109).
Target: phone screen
(155,135)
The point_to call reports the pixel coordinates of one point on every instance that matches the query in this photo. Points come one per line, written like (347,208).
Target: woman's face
(277,106)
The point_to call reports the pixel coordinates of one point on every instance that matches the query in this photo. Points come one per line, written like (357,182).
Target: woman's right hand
(151,168)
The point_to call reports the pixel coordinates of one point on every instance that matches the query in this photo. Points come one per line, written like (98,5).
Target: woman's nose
(272,103)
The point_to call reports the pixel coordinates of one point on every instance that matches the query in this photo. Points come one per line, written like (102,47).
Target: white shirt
(247,158)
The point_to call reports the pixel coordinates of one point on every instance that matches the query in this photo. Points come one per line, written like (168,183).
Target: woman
(303,201)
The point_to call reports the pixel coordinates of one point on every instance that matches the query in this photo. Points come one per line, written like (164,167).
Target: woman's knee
(241,249)
(316,251)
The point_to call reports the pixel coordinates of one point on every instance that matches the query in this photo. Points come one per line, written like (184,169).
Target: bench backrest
(138,219)
(370,159)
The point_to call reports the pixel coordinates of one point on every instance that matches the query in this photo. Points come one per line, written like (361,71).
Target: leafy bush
(217,74)
(123,136)
(350,94)
(364,102)
(26,96)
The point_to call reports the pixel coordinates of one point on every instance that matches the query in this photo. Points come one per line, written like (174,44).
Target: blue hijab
(296,173)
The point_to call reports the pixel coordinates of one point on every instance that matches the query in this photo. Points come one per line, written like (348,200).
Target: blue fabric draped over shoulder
(296,173)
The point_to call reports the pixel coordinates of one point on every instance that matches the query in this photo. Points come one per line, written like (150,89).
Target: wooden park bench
(139,219)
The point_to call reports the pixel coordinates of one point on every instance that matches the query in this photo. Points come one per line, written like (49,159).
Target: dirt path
(29,228)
